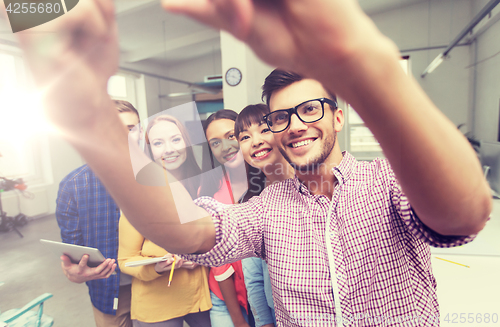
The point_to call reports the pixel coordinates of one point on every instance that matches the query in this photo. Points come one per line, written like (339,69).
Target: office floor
(29,270)
(468,296)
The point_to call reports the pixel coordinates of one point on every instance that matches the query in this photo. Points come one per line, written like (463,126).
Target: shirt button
(332,235)
(339,276)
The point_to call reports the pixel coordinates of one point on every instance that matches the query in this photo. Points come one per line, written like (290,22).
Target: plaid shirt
(363,255)
(87,215)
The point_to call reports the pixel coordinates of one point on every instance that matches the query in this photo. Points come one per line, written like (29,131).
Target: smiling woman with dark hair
(227,285)
(259,150)
(224,152)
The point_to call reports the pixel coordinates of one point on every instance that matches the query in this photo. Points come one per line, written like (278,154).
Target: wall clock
(233,76)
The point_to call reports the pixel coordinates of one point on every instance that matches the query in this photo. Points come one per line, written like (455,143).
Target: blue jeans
(219,315)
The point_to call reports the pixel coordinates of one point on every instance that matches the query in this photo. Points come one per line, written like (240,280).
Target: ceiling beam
(467,29)
(174,44)
(485,24)
(124,8)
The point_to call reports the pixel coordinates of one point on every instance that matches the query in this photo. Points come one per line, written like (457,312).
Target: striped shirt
(88,216)
(361,258)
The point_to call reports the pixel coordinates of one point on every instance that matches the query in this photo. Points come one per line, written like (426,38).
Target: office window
(129,87)
(117,86)
(123,86)
(23,142)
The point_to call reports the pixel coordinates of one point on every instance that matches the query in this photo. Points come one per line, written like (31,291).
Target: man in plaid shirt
(88,216)
(343,243)
(341,240)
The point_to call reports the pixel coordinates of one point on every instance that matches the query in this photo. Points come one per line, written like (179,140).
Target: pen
(453,262)
(171,272)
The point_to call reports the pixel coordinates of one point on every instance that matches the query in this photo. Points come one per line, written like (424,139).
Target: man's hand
(334,42)
(80,273)
(77,51)
(305,36)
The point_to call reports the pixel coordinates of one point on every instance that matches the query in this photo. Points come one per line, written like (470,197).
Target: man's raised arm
(72,58)
(334,42)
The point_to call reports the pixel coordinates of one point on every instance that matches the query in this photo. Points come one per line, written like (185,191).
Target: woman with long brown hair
(156,302)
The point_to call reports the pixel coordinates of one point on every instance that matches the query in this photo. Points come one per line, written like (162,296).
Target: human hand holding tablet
(81,272)
(81,263)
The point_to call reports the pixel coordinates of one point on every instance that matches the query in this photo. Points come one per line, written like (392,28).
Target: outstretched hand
(81,272)
(321,39)
(84,36)
(301,35)
(77,51)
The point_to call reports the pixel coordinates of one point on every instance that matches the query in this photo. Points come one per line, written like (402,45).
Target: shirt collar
(346,167)
(342,172)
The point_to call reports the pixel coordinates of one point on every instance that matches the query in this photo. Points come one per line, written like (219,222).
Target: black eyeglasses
(309,111)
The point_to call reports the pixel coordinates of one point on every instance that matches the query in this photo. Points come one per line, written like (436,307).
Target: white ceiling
(376,6)
(147,32)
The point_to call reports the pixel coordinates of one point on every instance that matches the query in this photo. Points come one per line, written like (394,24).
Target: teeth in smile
(261,153)
(301,143)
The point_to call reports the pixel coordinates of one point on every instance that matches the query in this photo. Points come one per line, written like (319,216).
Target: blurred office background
(168,60)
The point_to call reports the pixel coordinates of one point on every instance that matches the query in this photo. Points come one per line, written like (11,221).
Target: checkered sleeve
(405,211)
(238,232)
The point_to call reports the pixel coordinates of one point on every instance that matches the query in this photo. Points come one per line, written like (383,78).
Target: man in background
(88,216)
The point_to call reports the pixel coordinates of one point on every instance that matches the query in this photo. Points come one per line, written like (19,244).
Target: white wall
(64,159)
(465,86)
(253,71)
(192,71)
(486,59)
(429,24)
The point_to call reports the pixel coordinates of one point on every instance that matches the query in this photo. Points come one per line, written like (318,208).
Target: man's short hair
(125,106)
(279,79)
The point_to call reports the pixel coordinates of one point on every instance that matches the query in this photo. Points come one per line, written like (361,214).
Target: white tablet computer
(75,252)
